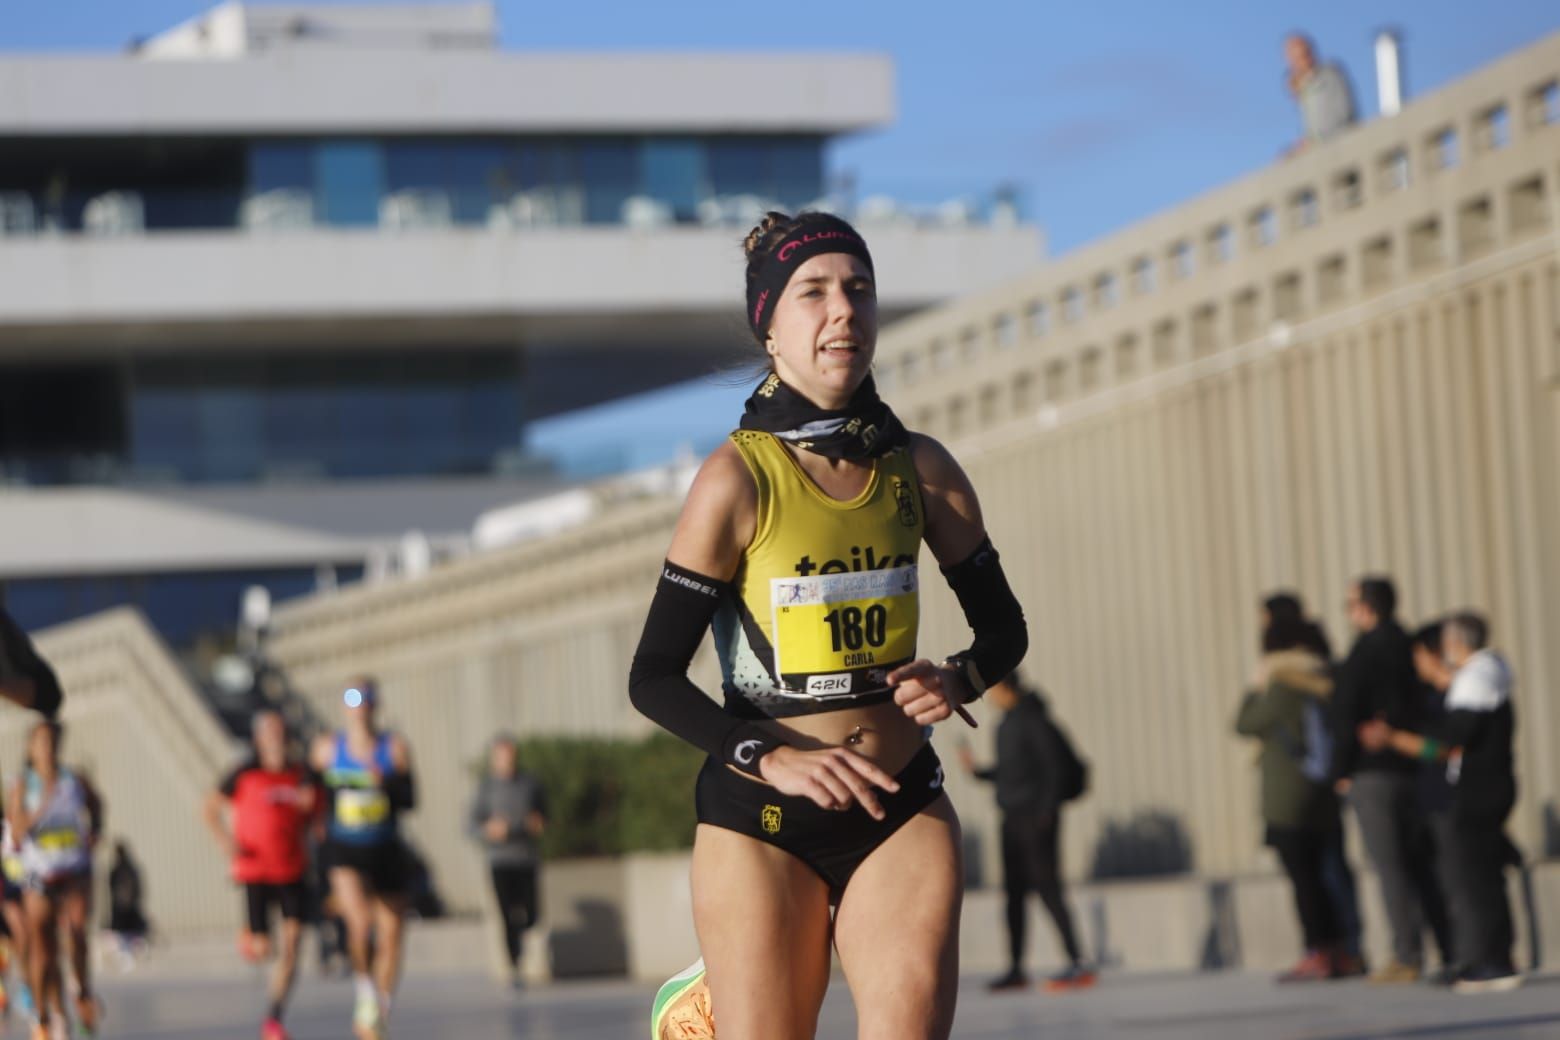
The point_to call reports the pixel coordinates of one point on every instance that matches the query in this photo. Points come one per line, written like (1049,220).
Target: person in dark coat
(1377,681)
(1287,710)
(1030,796)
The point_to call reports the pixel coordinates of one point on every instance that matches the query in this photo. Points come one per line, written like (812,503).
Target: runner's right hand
(833,778)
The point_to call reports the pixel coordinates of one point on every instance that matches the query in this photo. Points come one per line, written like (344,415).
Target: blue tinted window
(608,173)
(739,166)
(182,606)
(350,180)
(473,175)
(312,415)
(280,164)
(797,171)
(672,171)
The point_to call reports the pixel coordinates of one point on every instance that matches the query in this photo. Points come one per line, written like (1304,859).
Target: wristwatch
(966,668)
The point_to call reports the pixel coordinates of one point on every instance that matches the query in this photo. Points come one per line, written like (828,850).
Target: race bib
(58,841)
(361,807)
(827,624)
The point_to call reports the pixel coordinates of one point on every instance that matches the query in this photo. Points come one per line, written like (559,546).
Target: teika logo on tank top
(860,560)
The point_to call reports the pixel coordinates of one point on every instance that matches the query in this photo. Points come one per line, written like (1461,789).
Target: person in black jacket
(1377,681)
(1474,740)
(1029,795)
(26,678)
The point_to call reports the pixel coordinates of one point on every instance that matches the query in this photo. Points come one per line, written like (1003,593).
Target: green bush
(609,797)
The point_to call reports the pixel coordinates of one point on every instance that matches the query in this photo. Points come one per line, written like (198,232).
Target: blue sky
(1101,113)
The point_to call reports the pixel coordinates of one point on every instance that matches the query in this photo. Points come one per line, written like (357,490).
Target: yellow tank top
(827,593)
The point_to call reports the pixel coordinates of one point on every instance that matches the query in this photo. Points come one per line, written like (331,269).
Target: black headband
(818,233)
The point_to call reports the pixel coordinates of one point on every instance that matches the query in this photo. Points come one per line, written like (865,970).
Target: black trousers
(1304,856)
(1480,854)
(515,889)
(1030,857)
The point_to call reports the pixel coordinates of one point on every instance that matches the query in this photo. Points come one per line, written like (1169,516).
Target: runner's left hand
(928,693)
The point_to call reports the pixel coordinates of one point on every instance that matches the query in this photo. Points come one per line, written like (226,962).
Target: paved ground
(1207,1007)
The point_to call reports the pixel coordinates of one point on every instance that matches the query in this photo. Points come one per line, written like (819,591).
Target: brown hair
(766,235)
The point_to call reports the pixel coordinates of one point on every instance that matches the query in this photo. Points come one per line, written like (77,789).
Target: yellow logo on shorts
(770,818)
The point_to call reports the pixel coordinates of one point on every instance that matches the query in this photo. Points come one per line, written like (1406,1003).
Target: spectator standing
(1475,741)
(508,817)
(1320,89)
(1435,791)
(1036,772)
(1287,711)
(1377,680)
(126,920)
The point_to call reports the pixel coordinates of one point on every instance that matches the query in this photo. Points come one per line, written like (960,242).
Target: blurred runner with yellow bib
(368,778)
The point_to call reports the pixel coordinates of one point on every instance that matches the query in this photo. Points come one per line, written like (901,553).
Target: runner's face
(503,759)
(270,736)
(41,748)
(824,332)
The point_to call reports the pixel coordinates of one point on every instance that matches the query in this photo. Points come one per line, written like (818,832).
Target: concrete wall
(1174,924)
(589,275)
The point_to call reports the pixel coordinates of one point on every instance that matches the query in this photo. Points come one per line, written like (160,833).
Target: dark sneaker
(1488,978)
(1316,966)
(1075,977)
(1444,977)
(1013,980)
(1349,966)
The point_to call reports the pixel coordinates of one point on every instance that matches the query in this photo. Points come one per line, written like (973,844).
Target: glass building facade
(182,183)
(183,607)
(236,419)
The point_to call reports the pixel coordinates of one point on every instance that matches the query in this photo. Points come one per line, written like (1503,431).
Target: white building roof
(445,92)
(233,29)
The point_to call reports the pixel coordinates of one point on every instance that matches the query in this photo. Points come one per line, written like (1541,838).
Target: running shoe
(1488,978)
(1011,982)
(1348,966)
(1316,966)
(24,1001)
(682,1007)
(274,1030)
(1074,978)
(87,1015)
(367,1023)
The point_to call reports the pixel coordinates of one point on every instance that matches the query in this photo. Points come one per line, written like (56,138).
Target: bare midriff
(880,733)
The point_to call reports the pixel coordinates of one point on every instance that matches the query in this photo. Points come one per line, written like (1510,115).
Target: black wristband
(745,745)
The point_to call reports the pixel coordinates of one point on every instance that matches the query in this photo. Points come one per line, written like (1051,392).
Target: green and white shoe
(367,1022)
(682,1007)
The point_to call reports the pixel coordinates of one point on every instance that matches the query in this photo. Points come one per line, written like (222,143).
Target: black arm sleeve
(658,683)
(401,789)
(993,613)
(1458,727)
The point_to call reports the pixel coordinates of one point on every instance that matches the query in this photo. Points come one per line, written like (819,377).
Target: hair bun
(754,242)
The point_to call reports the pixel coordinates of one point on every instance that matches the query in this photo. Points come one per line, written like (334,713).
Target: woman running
(368,777)
(58,816)
(799,541)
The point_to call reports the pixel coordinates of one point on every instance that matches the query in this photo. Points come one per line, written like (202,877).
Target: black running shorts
(831,842)
(259,898)
(384,868)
